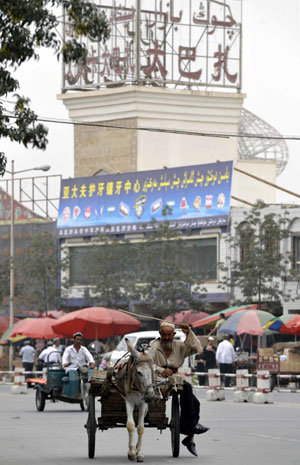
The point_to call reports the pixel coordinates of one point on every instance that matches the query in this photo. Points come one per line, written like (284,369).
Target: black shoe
(200,429)
(190,445)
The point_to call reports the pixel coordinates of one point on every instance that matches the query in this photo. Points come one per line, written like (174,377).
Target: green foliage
(37,273)
(26,26)
(166,283)
(4,279)
(110,265)
(261,267)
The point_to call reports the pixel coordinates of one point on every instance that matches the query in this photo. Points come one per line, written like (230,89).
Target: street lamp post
(12,247)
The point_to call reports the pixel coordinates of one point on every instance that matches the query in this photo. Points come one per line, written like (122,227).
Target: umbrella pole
(241,342)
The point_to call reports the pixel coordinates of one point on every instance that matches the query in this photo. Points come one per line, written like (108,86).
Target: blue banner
(193,196)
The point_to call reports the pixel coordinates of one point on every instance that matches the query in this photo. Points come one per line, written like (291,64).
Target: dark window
(198,256)
(246,240)
(296,253)
(79,271)
(271,238)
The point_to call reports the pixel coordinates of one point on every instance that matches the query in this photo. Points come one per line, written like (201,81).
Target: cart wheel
(91,427)
(84,390)
(40,400)
(175,425)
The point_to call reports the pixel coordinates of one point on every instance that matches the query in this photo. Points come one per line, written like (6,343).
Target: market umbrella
(286,324)
(38,328)
(4,323)
(246,322)
(96,323)
(210,320)
(186,316)
(7,336)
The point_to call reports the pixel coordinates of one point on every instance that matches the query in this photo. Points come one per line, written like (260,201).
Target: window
(296,253)
(202,259)
(79,271)
(271,238)
(246,240)
(198,256)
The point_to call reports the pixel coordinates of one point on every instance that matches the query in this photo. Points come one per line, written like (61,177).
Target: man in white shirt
(77,356)
(27,353)
(50,354)
(226,357)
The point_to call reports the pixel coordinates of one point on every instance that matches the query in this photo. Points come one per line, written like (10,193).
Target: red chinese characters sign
(185,43)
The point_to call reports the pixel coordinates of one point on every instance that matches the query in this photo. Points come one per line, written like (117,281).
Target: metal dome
(261,148)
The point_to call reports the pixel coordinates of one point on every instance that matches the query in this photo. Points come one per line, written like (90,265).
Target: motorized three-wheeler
(56,385)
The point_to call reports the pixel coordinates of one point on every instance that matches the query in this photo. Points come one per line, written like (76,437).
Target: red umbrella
(186,316)
(39,328)
(4,323)
(292,326)
(96,323)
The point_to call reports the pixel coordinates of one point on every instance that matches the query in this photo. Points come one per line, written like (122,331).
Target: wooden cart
(113,410)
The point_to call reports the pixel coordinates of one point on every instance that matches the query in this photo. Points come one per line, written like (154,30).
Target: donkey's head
(143,373)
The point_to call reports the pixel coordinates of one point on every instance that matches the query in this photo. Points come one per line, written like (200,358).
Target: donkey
(136,383)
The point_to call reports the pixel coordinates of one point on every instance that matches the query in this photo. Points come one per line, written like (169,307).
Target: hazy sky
(271,71)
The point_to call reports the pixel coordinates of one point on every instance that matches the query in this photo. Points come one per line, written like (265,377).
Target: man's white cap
(167,323)
(210,338)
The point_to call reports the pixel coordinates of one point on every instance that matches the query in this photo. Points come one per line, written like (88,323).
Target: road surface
(240,434)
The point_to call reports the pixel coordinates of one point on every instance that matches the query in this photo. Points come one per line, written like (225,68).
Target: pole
(12,256)
(138,38)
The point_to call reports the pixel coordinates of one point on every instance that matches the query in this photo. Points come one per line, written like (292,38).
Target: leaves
(38,271)
(26,26)
(260,267)
(167,282)
(110,267)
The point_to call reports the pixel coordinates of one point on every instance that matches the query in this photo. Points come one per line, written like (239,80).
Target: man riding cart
(168,355)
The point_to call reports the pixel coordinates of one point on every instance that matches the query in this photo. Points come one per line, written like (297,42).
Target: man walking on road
(226,357)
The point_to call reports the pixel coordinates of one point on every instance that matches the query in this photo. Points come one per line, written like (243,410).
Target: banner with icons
(188,197)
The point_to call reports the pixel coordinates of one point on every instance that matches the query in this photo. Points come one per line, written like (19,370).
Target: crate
(269,351)
(292,364)
(98,376)
(268,362)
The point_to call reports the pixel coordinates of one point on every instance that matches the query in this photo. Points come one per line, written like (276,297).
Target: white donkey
(136,381)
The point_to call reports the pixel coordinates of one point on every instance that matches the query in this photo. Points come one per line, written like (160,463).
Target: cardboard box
(269,351)
(268,362)
(292,364)
(18,363)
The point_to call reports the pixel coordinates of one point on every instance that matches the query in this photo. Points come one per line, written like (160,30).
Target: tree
(26,26)
(110,266)
(38,272)
(4,279)
(168,283)
(259,266)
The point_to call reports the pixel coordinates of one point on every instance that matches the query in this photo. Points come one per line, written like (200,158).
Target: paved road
(240,434)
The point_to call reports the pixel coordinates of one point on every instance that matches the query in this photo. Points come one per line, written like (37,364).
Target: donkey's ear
(132,349)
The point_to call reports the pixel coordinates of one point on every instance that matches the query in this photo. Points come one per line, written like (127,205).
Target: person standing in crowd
(57,345)
(168,355)
(226,358)
(76,356)
(28,354)
(206,360)
(49,355)
(200,366)
(217,326)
